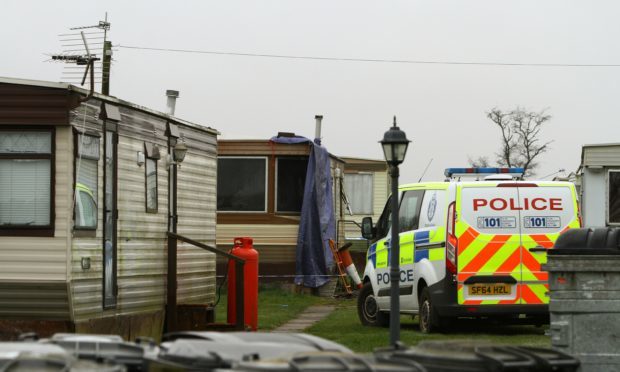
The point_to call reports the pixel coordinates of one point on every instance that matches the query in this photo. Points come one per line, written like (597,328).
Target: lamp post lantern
(394,145)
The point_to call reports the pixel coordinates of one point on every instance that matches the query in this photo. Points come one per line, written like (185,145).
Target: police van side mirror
(368,231)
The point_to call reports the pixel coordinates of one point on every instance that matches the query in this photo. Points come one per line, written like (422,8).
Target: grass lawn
(275,306)
(343,326)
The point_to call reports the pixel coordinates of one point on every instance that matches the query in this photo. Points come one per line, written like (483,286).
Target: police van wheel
(368,309)
(427,315)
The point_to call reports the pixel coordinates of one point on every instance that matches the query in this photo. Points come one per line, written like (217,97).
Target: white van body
(468,249)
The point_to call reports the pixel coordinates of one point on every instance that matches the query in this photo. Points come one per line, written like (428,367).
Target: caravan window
(242,184)
(86,177)
(358,188)
(25,181)
(290,182)
(613,197)
(151,185)
(150,176)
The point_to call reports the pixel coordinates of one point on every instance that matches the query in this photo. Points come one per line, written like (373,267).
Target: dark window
(613,203)
(26,179)
(151,185)
(291,178)
(110,217)
(86,186)
(385,220)
(241,184)
(409,210)
(150,177)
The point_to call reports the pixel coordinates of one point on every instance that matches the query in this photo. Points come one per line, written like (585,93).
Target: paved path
(304,320)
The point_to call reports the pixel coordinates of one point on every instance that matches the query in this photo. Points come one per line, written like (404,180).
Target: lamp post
(394,145)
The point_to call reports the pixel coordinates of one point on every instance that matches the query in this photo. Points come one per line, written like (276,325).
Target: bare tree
(527,126)
(521,144)
(479,162)
(502,120)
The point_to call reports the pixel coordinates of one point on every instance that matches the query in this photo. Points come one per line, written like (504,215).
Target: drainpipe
(172,173)
(317,129)
(172,101)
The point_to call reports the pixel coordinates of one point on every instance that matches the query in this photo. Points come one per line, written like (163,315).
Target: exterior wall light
(140,159)
(179,152)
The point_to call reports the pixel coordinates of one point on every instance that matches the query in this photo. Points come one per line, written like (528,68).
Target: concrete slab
(307,318)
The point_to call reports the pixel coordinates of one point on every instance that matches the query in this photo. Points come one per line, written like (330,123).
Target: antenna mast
(77,47)
(425,169)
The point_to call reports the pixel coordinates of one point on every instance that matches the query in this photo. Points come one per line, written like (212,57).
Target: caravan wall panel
(197,177)
(142,249)
(33,270)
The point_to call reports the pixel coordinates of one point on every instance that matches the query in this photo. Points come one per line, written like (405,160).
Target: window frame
(40,230)
(608,195)
(85,230)
(275,183)
(266,194)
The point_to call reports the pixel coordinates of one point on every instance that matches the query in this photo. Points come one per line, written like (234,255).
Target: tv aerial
(81,61)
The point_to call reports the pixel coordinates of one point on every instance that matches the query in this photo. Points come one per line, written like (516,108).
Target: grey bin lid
(37,356)
(51,357)
(313,342)
(588,241)
(108,348)
(86,338)
(473,356)
(327,362)
(225,353)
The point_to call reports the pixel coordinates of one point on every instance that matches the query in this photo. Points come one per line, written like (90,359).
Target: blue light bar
(449,172)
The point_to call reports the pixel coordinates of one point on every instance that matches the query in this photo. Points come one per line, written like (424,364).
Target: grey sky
(441,107)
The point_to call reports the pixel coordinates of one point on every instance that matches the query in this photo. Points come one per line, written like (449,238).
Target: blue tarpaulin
(317,223)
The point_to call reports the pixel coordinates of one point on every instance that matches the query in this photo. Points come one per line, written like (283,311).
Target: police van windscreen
(506,210)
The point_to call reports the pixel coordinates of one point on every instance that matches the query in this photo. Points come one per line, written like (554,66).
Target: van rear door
(488,248)
(547,209)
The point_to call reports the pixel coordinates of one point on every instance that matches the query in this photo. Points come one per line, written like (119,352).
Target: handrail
(171,308)
(204,246)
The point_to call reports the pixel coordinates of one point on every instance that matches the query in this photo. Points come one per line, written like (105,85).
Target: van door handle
(537,249)
(386,244)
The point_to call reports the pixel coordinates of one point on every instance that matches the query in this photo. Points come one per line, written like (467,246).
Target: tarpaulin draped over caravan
(317,223)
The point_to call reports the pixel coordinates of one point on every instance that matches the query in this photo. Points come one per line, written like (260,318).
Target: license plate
(495,289)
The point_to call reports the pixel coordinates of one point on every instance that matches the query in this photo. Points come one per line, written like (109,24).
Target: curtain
(358,188)
(25,192)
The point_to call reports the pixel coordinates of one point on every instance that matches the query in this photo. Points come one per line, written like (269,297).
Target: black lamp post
(394,145)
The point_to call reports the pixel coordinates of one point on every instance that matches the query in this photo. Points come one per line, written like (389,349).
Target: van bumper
(444,297)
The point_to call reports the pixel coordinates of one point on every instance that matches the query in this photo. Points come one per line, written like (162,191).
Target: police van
(468,248)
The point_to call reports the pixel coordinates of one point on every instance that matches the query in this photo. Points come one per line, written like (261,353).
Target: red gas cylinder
(243,248)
